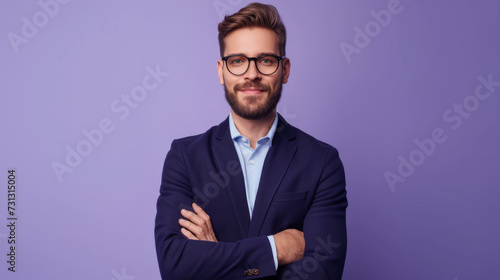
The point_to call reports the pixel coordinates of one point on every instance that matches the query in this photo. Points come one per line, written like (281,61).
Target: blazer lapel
(225,155)
(277,161)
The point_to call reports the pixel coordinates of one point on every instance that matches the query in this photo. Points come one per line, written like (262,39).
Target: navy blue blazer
(302,186)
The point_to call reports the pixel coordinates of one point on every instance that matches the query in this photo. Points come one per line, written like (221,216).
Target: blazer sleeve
(324,227)
(184,259)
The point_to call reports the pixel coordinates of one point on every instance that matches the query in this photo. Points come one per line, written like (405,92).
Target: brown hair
(254,15)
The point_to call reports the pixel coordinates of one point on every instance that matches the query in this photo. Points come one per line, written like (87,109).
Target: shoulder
(203,139)
(315,147)
(304,140)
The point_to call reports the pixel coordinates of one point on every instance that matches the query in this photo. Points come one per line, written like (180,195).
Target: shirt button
(252,162)
(244,140)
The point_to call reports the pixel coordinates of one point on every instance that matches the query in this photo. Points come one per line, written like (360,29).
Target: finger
(198,231)
(197,225)
(194,218)
(201,213)
(188,234)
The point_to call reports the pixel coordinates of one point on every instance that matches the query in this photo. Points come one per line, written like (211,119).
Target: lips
(252,90)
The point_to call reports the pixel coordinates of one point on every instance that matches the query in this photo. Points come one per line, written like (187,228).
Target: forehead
(251,41)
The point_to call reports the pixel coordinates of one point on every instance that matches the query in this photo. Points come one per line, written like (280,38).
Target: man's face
(253,95)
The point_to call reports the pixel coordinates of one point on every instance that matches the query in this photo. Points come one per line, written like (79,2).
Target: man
(254,197)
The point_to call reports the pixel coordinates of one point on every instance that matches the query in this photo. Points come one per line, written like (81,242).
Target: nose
(252,72)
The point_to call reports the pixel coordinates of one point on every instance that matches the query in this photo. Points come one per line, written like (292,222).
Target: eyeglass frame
(279,58)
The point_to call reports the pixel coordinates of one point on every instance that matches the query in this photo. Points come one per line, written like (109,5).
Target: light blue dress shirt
(251,162)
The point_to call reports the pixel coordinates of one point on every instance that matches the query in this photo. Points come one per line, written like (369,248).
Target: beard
(253,107)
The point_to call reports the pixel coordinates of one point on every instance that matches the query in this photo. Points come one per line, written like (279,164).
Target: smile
(251,91)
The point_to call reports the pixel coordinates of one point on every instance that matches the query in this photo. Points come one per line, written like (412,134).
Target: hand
(198,225)
(290,245)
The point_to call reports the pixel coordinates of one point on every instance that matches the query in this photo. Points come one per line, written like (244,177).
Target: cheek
(275,83)
(229,81)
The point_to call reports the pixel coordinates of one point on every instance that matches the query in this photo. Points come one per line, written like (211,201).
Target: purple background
(442,222)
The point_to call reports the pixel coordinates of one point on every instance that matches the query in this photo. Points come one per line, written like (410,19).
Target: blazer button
(248,272)
(255,271)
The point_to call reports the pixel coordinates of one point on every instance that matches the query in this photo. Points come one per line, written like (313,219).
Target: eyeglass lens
(266,65)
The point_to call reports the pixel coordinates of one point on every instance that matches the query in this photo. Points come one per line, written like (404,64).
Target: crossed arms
(187,246)
(290,243)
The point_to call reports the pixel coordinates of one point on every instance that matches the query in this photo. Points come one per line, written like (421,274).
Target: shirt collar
(235,134)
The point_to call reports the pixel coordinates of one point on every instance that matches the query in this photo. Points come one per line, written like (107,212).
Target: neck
(253,129)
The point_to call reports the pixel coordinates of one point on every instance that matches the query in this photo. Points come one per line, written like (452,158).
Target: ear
(220,70)
(286,70)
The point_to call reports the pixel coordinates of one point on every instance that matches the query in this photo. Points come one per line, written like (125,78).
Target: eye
(267,61)
(237,60)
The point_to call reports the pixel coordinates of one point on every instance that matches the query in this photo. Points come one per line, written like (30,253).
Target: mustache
(258,86)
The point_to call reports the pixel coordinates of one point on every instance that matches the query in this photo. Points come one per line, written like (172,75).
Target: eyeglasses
(266,64)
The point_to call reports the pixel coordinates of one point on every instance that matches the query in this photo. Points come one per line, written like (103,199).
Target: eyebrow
(264,53)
